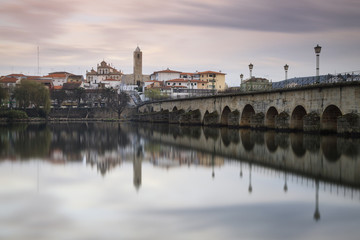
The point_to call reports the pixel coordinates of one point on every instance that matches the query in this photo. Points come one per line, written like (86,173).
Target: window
(179,84)
(168,83)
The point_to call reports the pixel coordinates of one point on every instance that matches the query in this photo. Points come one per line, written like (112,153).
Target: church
(107,76)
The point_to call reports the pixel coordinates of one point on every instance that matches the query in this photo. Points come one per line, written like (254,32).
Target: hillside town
(160,84)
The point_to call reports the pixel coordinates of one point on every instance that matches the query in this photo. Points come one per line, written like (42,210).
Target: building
(255,84)
(216,80)
(165,75)
(186,83)
(58,78)
(104,72)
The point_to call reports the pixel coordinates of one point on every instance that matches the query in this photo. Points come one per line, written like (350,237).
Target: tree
(79,93)
(31,93)
(155,94)
(3,95)
(59,96)
(117,101)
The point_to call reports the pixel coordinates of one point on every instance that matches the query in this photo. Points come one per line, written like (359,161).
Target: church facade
(107,76)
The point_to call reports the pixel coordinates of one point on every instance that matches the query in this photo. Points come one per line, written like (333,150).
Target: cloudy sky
(184,35)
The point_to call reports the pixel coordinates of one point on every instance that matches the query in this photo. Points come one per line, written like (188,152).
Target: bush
(13,114)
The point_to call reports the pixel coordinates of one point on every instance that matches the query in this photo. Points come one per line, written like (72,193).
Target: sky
(183,35)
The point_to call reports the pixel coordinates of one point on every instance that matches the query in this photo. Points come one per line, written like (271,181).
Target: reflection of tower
(285,185)
(213,163)
(317,212)
(137,66)
(250,187)
(241,173)
(137,172)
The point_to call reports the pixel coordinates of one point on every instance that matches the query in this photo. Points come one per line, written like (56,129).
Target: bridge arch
(270,117)
(224,120)
(329,118)
(297,118)
(246,115)
(174,109)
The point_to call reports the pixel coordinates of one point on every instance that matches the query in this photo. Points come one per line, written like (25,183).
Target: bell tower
(138,78)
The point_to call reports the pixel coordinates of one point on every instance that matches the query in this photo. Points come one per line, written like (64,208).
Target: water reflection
(297,163)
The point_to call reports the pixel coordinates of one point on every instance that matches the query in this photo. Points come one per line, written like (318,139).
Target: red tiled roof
(212,72)
(56,75)
(8,80)
(16,75)
(167,71)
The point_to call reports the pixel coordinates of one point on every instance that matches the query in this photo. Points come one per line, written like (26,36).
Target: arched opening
(174,109)
(246,115)
(270,117)
(329,118)
(297,144)
(225,116)
(330,148)
(297,118)
(205,116)
(270,141)
(225,136)
(211,118)
(247,140)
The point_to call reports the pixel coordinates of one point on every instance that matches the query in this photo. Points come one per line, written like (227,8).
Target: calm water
(111,181)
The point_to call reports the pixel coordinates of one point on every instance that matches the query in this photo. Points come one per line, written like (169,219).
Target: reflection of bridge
(327,158)
(322,107)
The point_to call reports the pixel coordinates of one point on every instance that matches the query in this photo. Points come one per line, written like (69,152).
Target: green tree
(4,95)
(31,93)
(155,94)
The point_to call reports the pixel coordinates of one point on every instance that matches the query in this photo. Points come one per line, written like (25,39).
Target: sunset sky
(184,35)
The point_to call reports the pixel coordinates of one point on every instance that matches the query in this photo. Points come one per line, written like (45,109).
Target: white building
(165,75)
(105,76)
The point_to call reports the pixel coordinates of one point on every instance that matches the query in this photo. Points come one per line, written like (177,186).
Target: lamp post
(241,78)
(317,52)
(286,68)
(251,66)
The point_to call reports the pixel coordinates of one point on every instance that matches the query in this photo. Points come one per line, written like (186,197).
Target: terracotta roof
(211,72)
(167,71)
(184,73)
(16,75)
(8,80)
(57,75)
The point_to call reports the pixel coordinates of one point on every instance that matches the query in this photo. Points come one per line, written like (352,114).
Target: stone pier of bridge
(314,108)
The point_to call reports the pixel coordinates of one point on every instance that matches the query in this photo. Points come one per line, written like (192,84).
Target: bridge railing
(323,79)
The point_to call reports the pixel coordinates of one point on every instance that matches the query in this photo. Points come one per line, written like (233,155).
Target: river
(153,181)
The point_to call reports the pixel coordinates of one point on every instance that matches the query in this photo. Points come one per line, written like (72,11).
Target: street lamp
(251,68)
(241,78)
(317,52)
(286,67)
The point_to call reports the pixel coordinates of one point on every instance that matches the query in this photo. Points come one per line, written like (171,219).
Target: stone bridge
(321,107)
